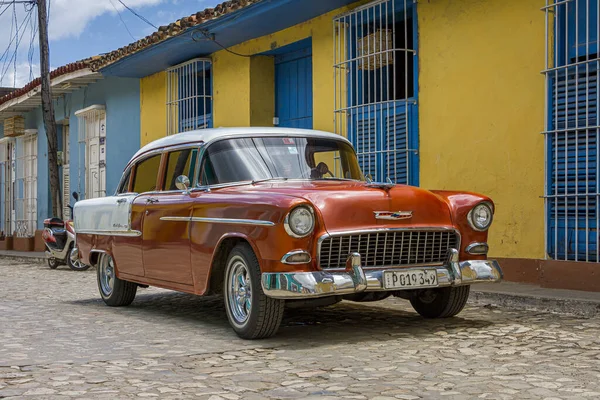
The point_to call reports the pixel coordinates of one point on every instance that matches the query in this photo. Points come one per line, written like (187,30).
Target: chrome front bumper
(355,279)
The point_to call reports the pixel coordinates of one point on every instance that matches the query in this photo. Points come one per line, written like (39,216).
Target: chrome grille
(388,248)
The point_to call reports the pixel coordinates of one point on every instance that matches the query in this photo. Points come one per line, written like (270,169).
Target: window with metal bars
(572,128)
(375,67)
(189,96)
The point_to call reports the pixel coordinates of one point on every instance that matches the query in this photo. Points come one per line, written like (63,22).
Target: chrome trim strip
(234,221)
(306,285)
(379,230)
(130,233)
(284,259)
(470,248)
(176,219)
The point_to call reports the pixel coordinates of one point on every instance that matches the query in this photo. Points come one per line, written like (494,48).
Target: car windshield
(255,159)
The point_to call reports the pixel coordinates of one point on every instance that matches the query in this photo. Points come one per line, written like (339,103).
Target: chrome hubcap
(239,290)
(107,274)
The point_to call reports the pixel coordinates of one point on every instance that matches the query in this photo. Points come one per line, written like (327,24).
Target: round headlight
(300,222)
(480,217)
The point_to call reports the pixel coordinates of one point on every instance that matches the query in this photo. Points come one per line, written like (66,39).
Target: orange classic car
(273,218)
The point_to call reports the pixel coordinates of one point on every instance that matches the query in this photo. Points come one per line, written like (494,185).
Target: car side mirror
(76,196)
(183,183)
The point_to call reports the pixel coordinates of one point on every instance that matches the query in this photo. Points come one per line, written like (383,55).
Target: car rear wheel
(114,291)
(251,313)
(440,303)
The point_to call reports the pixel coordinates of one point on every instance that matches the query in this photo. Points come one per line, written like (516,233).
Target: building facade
(494,97)
(98,131)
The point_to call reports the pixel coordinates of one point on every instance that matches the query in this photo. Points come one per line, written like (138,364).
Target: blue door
(293,89)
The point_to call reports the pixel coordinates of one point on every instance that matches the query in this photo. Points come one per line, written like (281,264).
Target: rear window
(146,172)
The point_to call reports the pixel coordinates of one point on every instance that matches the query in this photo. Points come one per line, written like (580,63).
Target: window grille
(375,90)
(26,185)
(92,148)
(189,96)
(572,190)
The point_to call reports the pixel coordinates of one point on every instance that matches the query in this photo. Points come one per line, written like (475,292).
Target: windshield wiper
(277,178)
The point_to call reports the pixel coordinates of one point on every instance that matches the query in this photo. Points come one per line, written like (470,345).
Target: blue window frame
(573,169)
(189,96)
(376,88)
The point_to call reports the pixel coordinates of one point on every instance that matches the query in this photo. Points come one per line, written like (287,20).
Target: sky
(79,29)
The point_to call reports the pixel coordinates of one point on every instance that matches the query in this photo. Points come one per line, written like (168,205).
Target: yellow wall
(153,100)
(481,111)
(233,86)
(480,103)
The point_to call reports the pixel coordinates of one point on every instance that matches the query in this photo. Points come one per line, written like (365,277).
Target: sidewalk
(31,256)
(536,298)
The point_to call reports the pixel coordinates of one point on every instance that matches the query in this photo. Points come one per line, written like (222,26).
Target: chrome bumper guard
(355,279)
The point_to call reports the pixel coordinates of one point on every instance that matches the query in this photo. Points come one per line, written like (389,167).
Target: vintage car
(274,217)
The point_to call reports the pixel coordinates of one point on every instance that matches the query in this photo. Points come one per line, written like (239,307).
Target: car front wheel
(251,313)
(114,291)
(440,303)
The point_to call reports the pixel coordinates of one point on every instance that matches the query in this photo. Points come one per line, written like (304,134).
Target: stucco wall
(230,69)
(481,111)
(481,104)
(233,77)
(121,98)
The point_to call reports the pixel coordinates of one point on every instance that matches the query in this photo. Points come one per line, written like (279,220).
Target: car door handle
(121,201)
(152,200)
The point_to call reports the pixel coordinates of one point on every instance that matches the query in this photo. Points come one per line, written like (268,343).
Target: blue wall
(121,97)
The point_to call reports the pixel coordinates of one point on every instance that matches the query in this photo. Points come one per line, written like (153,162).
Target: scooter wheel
(53,263)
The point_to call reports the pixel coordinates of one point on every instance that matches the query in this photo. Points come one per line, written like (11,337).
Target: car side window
(178,163)
(144,179)
(124,185)
(207,175)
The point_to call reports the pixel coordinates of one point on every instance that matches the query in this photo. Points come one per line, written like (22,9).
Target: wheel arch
(217,265)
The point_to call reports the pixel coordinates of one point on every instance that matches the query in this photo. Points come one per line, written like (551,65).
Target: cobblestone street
(58,340)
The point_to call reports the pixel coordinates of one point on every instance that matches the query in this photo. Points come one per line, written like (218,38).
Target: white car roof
(208,135)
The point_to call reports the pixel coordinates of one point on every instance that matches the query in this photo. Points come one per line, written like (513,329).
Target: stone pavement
(58,340)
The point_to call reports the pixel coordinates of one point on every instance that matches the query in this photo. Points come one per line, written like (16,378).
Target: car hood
(351,205)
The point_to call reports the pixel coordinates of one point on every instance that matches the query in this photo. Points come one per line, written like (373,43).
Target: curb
(23,259)
(579,307)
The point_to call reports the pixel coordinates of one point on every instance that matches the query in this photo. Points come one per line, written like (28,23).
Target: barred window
(375,70)
(572,130)
(189,96)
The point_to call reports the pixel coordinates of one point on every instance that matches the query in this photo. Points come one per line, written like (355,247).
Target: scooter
(59,237)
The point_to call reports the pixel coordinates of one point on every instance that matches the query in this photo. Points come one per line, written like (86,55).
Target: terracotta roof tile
(65,69)
(163,33)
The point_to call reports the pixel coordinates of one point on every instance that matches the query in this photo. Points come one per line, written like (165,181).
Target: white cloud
(22,75)
(69,18)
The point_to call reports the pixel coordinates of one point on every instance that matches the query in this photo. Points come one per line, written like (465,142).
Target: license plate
(415,278)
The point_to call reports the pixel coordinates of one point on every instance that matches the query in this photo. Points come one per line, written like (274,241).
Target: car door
(127,249)
(166,223)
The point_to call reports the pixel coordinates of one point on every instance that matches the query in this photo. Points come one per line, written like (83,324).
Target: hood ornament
(387,185)
(392,215)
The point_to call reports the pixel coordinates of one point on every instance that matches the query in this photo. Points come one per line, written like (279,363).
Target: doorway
(293,85)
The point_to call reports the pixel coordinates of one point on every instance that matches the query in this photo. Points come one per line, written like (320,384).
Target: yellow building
(496,97)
